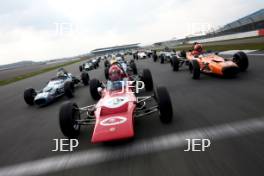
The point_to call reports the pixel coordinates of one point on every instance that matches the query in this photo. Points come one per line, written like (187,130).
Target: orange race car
(200,61)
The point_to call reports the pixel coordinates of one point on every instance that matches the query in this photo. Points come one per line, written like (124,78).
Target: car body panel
(53,89)
(142,55)
(88,66)
(215,63)
(114,116)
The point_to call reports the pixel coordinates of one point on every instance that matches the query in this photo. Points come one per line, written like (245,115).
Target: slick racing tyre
(96,65)
(164,102)
(68,116)
(147,79)
(69,89)
(175,64)
(29,96)
(132,61)
(106,63)
(155,57)
(106,72)
(134,68)
(81,68)
(162,59)
(241,59)
(85,78)
(183,54)
(94,84)
(194,68)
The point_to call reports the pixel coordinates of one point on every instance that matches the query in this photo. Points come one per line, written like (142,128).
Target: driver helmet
(119,59)
(115,73)
(61,72)
(198,47)
(113,61)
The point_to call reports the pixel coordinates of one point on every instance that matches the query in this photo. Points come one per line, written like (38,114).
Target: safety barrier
(241,35)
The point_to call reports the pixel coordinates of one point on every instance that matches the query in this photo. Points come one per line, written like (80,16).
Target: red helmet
(115,73)
(198,47)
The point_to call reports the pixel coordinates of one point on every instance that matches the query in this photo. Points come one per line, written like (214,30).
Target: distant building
(102,51)
(254,21)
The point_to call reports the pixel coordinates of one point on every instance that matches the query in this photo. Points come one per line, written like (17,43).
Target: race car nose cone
(230,71)
(41,101)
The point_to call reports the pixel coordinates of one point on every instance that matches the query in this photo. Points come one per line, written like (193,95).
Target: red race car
(114,115)
(211,63)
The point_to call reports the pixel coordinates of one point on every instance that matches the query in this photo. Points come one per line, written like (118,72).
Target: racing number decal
(116,102)
(116,120)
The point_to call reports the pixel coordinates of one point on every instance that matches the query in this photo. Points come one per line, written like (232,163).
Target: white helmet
(60,73)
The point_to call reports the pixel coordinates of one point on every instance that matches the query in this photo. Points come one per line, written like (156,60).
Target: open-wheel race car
(129,68)
(211,63)
(113,117)
(165,56)
(63,84)
(87,66)
(90,65)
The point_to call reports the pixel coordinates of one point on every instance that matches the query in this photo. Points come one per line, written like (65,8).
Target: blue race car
(63,84)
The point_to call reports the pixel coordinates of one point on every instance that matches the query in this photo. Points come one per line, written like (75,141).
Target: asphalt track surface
(27,133)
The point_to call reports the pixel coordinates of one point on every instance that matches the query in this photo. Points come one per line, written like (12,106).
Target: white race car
(142,55)
(61,85)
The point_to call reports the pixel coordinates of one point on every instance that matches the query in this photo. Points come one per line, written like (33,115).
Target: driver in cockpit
(62,73)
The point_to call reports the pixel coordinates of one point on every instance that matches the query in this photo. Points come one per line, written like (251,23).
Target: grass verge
(34,73)
(247,46)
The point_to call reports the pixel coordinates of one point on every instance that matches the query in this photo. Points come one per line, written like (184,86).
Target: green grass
(34,73)
(251,43)
(247,46)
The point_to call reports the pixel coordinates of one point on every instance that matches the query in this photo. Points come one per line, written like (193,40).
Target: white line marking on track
(95,156)
(255,54)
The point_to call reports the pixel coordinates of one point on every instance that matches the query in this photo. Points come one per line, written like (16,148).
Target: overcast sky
(47,29)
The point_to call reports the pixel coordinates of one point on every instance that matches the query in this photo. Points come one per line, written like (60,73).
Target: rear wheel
(69,89)
(81,68)
(94,84)
(175,64)
(164,102)
(106,63)
(68,116)
(134,68)
(85,78)
(155,57)
(162,59)
(106,73)
(147,79)
(183,54)
(241,59)
(194,69)
(29,96)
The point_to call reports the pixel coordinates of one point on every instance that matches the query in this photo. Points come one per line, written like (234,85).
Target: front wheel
(164,103)
(241,59)
(68,116)
(175,64)
(134,68)
(194,68)
(106,72)
(162,58)
(155,57)
(147,79)
(81,68)
(183,54)
(69,89)
(85,78)
(94,84)
(106,63)
(29,96)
